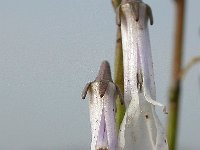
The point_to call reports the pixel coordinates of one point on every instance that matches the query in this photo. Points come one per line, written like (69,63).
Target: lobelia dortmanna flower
(140,129)
(102,95)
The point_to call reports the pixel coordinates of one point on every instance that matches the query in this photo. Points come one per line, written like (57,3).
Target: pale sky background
(49,49)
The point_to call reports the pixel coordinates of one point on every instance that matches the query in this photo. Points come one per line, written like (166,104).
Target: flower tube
(140,129)
(102,95)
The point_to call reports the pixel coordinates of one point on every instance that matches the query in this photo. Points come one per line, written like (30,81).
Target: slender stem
(119,74)
(119,77)
(175,89)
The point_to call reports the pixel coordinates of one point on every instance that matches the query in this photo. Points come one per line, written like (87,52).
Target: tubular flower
(141,128)
(102,95)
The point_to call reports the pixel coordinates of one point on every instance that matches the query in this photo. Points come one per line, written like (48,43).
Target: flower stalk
(119,73)
(175,88)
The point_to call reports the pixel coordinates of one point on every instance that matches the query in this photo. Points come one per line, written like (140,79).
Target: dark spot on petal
(146,116)
(113,109)
(165,141)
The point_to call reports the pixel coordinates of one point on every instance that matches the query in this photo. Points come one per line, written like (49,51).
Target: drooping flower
(102,95)
(141,128)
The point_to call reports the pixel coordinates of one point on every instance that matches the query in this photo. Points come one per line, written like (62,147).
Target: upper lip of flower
(103,77)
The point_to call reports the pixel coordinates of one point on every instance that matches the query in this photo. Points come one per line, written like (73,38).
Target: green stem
(119,74)
(119,77)
(175,90)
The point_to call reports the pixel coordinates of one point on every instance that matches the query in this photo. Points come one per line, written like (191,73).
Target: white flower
(102,96)
(141,129)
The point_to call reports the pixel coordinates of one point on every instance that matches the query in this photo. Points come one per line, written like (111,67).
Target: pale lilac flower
(141,129)
(102,95)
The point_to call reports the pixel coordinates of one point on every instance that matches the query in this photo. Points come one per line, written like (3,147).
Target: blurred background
(49,49)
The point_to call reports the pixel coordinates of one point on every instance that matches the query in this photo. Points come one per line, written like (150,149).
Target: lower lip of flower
(102,140)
